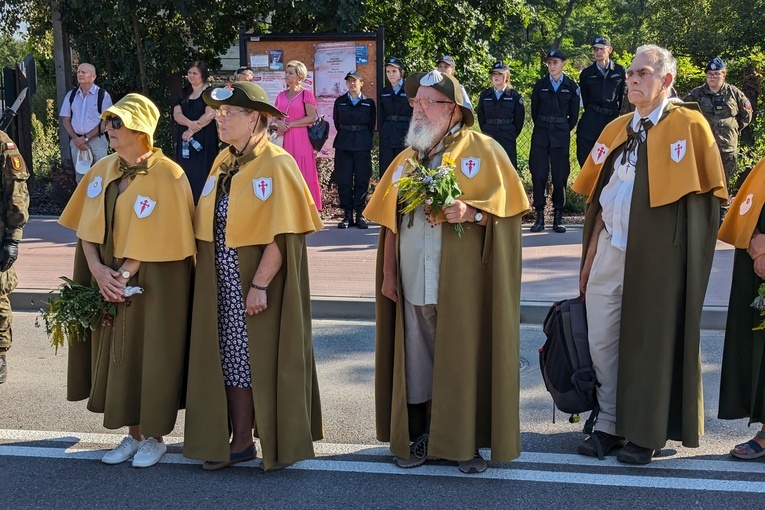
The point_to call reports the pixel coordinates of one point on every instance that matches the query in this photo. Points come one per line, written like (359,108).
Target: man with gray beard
(455,294)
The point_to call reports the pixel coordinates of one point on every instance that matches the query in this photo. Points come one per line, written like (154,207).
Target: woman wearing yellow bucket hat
(251,360)
(133,216)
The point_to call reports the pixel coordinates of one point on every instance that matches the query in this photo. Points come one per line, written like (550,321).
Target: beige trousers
(604,312)
(420,350)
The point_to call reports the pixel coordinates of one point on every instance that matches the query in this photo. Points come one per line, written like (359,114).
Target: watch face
(478,216)
(125,274)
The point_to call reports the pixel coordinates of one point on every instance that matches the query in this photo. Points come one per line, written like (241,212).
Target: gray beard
(423,137)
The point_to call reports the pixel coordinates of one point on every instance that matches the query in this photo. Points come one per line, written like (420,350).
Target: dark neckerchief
(635,138)
(229,171)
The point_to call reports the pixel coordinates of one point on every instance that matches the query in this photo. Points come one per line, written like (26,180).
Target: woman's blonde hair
(300,68)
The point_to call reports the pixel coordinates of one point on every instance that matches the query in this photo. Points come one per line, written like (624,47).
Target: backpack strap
(101,95)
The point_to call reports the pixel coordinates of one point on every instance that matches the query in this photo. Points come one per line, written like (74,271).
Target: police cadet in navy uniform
(355,117)
(554,110)
(602,86)
(501,111)
(14,213)
(395,114)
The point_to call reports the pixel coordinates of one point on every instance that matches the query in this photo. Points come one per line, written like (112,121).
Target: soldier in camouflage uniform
(726,108)
(13,216)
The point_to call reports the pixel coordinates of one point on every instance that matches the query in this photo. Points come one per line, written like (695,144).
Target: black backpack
(101,94)
(565,361)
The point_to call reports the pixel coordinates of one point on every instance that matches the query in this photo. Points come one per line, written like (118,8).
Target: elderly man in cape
(654,182)
(450,295)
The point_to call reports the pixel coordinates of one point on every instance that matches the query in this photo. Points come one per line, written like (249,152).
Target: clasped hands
(756,250)
(110,283)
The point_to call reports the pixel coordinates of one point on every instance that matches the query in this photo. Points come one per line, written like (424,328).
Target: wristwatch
(125,274)
(86,138)
(478,216)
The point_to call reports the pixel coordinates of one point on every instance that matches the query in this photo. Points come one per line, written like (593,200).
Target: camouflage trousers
(729,161)
(8,282)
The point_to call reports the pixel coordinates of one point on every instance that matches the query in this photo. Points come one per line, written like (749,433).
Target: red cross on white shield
(599,153)
(143,206)
(677,150)
(263,187)
(470,166)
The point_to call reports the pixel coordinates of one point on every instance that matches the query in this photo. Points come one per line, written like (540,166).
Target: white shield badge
(599,153)
(397,174)
(677,150)
(470,167)
(95,187)
(263,187)
(209,186)
(746,205)
(143,206)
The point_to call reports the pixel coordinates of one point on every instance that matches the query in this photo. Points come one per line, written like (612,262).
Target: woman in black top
(501,111)
(196,134)
(395,114)
(355,116)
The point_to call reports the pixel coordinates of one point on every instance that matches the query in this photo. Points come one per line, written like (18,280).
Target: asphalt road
(50,450)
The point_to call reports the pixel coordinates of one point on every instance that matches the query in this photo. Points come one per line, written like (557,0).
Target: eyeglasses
(116,122)
(714,74)
(425,103)
(226,113)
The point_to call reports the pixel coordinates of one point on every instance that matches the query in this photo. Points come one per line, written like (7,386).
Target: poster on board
(271,81)
(332,61)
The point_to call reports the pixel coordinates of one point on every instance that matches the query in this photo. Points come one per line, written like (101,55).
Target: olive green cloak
(476,377)
(134,370)
(285,388)
(742,381)
(667,266)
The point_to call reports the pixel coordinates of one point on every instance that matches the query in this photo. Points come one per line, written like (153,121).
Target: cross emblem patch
(677,150)
(263,187)
(144,206)
(599,153)
(470,166)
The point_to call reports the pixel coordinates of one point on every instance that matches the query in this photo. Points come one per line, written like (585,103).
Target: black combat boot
(347,221)
(360,221)
(558,222)
(3,368)
(539,224)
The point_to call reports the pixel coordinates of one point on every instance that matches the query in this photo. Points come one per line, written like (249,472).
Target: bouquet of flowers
(759,304)
(76,311)
(434,187)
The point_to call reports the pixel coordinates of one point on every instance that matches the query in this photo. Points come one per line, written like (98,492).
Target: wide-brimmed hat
(137,113)
(445,84)
(241,93)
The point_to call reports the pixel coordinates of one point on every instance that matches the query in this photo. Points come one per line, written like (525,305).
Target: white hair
(661,58)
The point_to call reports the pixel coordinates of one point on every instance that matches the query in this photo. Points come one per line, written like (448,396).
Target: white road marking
(74,452)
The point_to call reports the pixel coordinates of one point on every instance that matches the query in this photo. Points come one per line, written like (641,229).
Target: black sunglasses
(115,121)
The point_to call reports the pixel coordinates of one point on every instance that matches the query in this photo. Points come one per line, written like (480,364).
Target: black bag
(318,133)
(565,359)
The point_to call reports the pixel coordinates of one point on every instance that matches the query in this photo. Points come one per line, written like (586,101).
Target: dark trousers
(583,148)
(512,153)
(352,172)
(387,155)
(544,161)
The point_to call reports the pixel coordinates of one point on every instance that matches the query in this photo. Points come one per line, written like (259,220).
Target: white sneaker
(149,453)
(126,449)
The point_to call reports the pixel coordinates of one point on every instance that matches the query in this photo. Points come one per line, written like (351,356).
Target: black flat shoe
(234,458)
(634,454)
(607,441)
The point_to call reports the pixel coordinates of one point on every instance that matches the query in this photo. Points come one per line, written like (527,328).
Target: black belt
(98,135)
(498,122)
(398,118)
(604,111)
(353,127)
(552,120)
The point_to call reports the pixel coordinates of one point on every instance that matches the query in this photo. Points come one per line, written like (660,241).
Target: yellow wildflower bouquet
(434,187)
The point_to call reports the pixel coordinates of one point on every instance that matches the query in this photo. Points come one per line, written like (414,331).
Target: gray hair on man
(662,60)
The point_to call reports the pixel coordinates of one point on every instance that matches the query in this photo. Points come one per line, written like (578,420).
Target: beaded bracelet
(257,287)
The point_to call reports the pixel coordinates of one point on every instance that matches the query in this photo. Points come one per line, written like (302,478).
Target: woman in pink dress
(300,106)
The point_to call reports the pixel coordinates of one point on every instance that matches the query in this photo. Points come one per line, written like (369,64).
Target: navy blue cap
(556,53)
(448,59)
(395,62)
(601,41)
(716,64)
(354,74)
(499,67)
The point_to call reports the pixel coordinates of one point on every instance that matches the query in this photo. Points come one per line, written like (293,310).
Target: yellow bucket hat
(137,113)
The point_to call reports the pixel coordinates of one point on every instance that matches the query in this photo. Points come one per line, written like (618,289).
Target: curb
(331,307)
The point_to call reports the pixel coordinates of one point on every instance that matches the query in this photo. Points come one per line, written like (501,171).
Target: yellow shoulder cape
(744,212)
(495,187)
(268,197)
(700,169)
(152,217)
